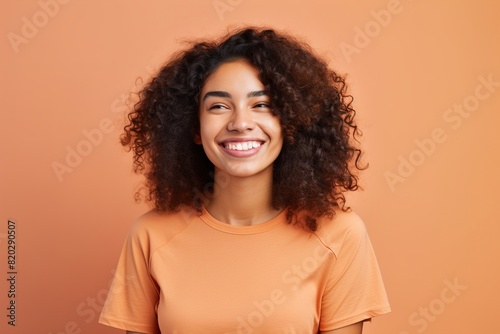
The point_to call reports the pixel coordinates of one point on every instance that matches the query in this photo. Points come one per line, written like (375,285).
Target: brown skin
(246,199)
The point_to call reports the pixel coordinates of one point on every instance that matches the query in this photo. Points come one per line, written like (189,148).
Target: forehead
(234,75)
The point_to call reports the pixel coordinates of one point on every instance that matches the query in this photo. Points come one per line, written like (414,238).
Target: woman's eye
(217,106)
(262,105)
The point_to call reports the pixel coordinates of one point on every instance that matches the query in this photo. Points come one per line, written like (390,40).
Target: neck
(242,200)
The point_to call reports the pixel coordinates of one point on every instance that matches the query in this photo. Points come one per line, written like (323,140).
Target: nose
(241,120)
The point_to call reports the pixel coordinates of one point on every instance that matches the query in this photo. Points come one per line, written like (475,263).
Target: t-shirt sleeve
(354,291)
(133,297)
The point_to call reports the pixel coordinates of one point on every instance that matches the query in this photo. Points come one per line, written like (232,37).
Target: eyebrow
(218,93)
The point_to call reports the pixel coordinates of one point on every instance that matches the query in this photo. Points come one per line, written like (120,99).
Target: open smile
(241,148)
(241,145)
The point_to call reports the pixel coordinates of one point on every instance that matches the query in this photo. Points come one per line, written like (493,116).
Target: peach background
(440,224)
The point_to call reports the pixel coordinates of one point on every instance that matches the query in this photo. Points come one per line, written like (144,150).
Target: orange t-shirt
(189,273)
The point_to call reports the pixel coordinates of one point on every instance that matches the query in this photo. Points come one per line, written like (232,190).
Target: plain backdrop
(425,76)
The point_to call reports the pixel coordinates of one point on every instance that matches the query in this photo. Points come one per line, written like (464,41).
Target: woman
(247,145)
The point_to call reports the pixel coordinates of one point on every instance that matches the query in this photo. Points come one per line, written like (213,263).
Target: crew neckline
(251,229)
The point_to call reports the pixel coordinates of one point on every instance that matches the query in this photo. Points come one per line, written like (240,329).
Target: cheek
(274,128)
(278,134)
(209,131)
(206,133)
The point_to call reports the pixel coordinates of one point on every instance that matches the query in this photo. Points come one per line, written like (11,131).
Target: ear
(197,138)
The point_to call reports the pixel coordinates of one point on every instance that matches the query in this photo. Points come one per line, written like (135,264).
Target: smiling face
(239,133)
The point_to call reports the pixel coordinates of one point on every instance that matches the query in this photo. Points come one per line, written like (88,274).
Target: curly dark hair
(319,160)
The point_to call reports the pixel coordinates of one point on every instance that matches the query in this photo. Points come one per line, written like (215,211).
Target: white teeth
(242,146)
